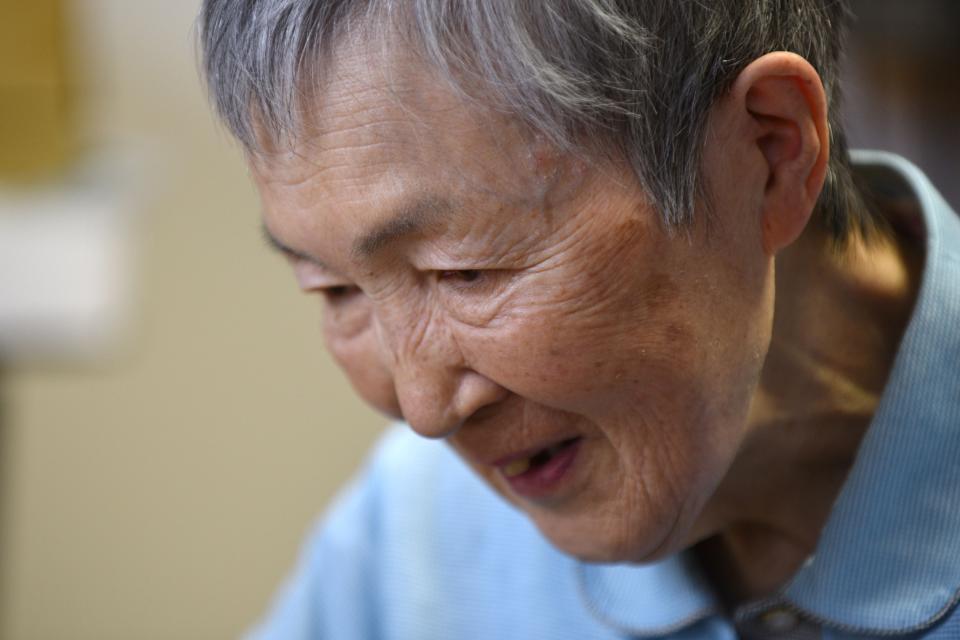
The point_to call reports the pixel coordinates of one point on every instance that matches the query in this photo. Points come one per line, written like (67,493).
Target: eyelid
(339,294)
(460,273)
(469,280)
(312,277)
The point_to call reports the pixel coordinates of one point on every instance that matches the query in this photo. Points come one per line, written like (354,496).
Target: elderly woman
(617,257)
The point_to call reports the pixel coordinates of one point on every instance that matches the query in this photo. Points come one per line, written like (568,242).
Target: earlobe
(785,99)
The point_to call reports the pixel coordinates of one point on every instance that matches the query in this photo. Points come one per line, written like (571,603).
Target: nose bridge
(426,363)
(407,330)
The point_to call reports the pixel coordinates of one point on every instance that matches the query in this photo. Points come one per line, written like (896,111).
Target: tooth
(516,467)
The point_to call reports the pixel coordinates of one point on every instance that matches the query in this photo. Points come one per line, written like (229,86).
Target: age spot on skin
(677,334)
(659,290)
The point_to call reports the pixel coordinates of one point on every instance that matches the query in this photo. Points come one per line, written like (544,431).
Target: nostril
(483,413)
(432,429)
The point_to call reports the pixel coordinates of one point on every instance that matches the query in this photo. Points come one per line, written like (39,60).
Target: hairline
(668,164)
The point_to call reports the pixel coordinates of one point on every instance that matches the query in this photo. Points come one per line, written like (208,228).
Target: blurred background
(902,85)
(169,422)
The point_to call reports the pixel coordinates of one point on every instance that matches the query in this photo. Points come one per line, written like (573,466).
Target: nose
(436,388)
(435,406)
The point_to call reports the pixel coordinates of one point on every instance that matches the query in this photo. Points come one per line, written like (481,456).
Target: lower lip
(546,479)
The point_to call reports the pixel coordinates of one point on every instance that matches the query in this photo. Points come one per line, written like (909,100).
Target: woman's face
(525,306)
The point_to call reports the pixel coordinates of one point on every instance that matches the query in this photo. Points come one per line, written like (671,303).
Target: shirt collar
(647,600)
(889,556)
(888,559)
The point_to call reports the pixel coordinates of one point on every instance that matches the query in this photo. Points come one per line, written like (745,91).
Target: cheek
(359,354)
(590,344)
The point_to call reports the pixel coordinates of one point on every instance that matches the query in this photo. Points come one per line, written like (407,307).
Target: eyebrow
(408,220)
(273,243)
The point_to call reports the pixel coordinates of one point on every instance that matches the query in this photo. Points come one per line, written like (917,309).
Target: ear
(783,99)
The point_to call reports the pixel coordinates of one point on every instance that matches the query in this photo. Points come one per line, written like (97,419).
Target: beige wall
(163,492)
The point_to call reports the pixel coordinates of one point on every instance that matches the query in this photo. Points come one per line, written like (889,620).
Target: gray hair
(639,76)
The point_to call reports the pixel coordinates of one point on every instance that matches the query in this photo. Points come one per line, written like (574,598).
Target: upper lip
(512,431)
(527,453)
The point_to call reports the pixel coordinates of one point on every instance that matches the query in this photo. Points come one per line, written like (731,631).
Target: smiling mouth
(527,463)
(541,473)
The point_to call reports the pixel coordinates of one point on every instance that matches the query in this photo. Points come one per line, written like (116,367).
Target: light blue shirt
(418,548)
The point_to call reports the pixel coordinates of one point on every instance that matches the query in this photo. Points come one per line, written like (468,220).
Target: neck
(839,317)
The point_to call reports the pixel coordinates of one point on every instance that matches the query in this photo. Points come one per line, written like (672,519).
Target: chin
(626,541)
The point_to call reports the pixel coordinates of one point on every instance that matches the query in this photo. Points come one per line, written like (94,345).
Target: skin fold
(503,296)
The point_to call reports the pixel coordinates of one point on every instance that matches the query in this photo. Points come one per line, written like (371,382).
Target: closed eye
(465,276)
(340,293)
(472,281)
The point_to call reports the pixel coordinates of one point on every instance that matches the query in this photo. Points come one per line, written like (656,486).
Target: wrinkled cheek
(360,358)
(593,375)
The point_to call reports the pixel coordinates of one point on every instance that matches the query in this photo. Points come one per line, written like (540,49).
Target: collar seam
(823,620)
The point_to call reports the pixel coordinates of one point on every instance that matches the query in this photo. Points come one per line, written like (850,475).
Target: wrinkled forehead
(380,108)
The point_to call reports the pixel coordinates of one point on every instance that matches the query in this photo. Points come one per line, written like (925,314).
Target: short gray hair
(640,76)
